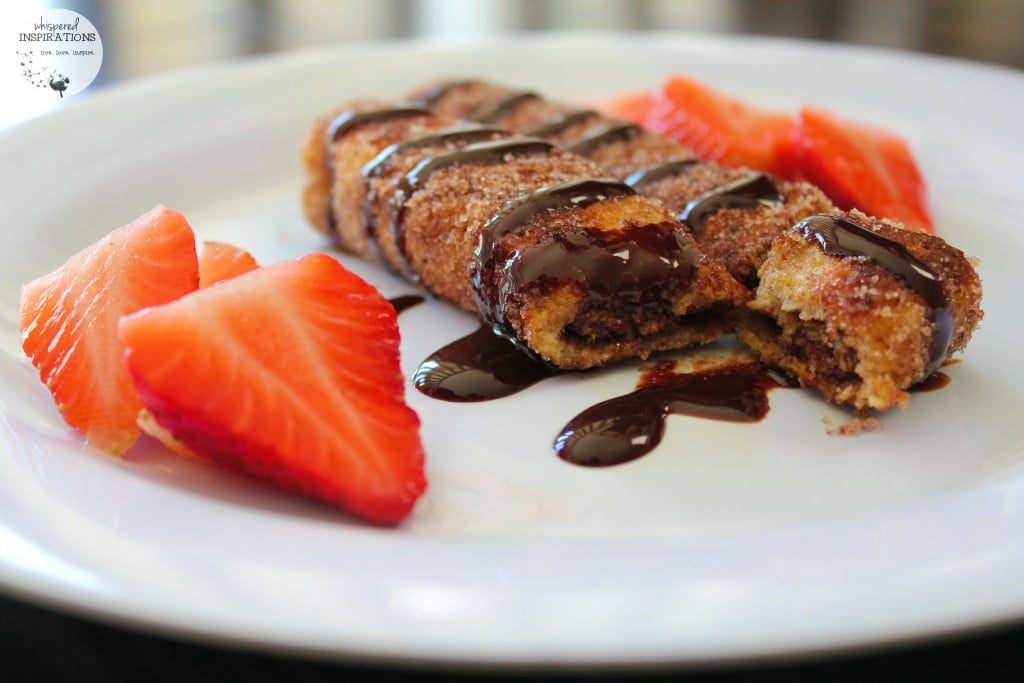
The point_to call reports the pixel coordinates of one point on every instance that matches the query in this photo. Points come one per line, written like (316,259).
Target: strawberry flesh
(68,321)
(288,373)
(861,167)
(718,127)
(223,261)
(633,106)
(856,165)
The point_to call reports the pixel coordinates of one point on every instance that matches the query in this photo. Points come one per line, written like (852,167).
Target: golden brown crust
(739,239)
(846,327)
(329,208)
(431,230)
(461,99)
(444,216)
(849,327)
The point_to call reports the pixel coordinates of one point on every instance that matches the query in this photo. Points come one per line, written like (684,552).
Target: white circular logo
(58,52)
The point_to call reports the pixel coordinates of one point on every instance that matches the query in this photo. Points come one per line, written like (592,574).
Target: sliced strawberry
(289,373)
(632,106)
(151,427)
(222,261)
(68,320)
(217,261)
(718,127)
(861,167)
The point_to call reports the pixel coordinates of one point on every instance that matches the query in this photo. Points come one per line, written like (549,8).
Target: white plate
(729,542)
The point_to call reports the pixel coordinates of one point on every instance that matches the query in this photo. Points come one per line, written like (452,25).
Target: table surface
(40,643)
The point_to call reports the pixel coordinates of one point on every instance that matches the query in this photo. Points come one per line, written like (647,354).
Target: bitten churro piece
(734,213)
(860,309)
(539,242)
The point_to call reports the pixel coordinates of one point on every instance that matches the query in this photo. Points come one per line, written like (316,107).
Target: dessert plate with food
(614,350)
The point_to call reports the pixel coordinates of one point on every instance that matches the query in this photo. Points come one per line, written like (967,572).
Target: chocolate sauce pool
(484,365)
(481,366)
(627,427)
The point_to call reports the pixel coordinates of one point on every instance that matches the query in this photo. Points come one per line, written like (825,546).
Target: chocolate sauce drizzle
(351,119)
(377,165)
(405,302)
(434,95)
(344,123)
(520,212)
(845,238)
(488,363)
(748,192)
(467,134)
(485,365)
(655,172)
(603,135)
(489,112)
(492,152)
(562,123)
(627,427)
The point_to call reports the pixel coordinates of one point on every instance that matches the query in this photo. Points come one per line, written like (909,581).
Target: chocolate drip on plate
(627,427)
(481,366)
(405,302)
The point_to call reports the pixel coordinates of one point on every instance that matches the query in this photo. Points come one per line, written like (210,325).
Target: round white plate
(728,542)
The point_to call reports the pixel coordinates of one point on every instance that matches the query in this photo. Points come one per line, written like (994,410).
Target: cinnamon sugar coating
(738,239)
(427,220)
(850,328)
(845,326)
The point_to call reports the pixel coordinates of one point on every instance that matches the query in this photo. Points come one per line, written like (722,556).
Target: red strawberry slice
(861,167)
(631,106)
(68,321)
(217,261)
(289,373)
(718,127)
(222,261)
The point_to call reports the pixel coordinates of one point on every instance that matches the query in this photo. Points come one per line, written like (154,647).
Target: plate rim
(135,89)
